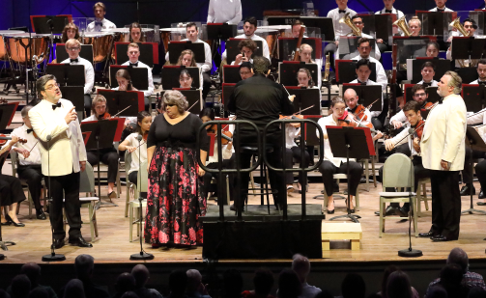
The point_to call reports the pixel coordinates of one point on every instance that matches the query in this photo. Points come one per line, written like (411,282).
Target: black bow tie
(57,105)
(482,83)
(29,130)
(440,10)
(342,11)
(362,83)
(74,60)
(134,64)
(426,84)
(388,11)
(98,23)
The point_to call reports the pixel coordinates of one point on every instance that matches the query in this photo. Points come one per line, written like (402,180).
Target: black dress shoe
(80,242)
(330,211)
(439,238)
(402,212)
(391,211)
(377,213)
(429,234)
(7,223)
(19,225)
(41,215)
(58,243)
(467,189)
(481,194)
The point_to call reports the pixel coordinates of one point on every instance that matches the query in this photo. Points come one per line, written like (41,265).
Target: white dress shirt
(476,82)
(377,52)
(340,29)
(402,138)
(479,118)
(445,9)
(133,142)
(31,145)
(265,50)
(367,113)
(105,24)
(399,117)
(433,83)
(329,121)
(208,61)
(381,77)
(89,74)
(224,11)
(371,83)
(395,11)
(66,146)
(291,134)
(151,88)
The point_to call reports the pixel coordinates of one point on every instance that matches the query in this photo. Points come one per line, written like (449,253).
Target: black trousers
(87,104)
(132,177)
(206,83)
(32,174)
(481,173)
(378,125)
(66,187)
(446,203)
(227,164)
(10,190)
(292,153)
(467,172)
(108,157)
(328,169)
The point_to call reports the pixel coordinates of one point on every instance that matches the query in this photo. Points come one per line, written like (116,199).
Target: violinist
(481,69)
(131,143)
(29,160)
(109,156)
(332,165)
(206,115)
(306,57)
(414,121)
(419,95)
(358,110)
(292,132)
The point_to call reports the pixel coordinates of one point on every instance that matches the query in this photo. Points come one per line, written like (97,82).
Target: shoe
(41,215)
(352,210)
(467,189)
(58,243)
(8,218)
(429,234)
(481,194)
(390,210)
(439,238)
(290,189)
(478,203)
(233,208)
(113,195)
(377,213)
(7,223)
(330,211)
(402,212)
(80,242)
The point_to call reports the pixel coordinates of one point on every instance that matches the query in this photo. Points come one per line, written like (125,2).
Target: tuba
(457,24)
(402,24)
(347,20)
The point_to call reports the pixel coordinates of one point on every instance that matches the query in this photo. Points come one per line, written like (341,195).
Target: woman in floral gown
(174,198)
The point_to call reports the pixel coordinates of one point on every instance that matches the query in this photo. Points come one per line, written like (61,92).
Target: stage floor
(112,246)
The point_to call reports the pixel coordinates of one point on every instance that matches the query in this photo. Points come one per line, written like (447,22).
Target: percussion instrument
(101,42)
(19,50)
(3,48)
(124,34)
(166,35)
(281,31)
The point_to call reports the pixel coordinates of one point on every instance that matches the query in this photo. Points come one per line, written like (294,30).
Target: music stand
(219,32)
(75,94)
(348,142)
(50,24)
(414,68)
(85,53)
(149,53)
(346,71)
(325,24)
(231,74)
(170,76)
(193,97)
(287,72)
(139,76)
(468,74)
(232,49)
(102,135)
(474,142)
(435,23)
(117,101)
(287,46)
(311,138)
(305,98)
(367,95)
(467,48)
(176,47)
(383,26)
(473,97)
(67,74)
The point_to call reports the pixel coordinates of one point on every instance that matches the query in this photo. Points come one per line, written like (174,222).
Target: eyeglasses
(73,49)
(420,94)
(50,87)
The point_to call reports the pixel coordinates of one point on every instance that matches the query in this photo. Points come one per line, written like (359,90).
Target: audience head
(74,289)
(296,26)
(482,69)
(20,286)
(186,58)
(353,286)
(247,47)
(289,285)
(38,292)
(263,281)
(99,10)
(306,53)
(432,49)
(233,283)
(73,47)
(177,283)
(125,282)
(386,273)
(398,285)
(437,291)
(32,270)
(133,52)
(249,26)
(141,275)
(70,31)
(451,279)
(245,70)
(174,99)
(185,79)
(459,257)
(135,32)
(129,294)
(261,65)
(84,264)
(364,47)
(301,266)
(194,280)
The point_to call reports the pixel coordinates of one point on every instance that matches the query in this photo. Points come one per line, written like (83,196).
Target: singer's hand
(71,115)
(82,165)
(389,145)
(396,124)
(445,165)
(201,172)
(131,149)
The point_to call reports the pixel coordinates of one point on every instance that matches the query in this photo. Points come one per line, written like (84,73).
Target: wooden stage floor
(112,246)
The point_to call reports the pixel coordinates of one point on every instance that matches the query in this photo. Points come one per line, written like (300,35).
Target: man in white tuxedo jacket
(55,123)
(443,151)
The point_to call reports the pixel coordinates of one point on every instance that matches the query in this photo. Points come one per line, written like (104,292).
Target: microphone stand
(52,257)
(142,255)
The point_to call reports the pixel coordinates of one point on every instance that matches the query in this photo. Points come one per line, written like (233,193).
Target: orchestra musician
(29,160)
(246,70)
(73,47)
(419,95)
(187,59)
(363,71)
(108,156)
(358,22)
(351,99)
(332,165)
(135,33)
(124,81)
(480,168)
(364,49)
(133,53)
(432,49)
(306,57)
(224,11)
(443,152)
(185,79)
(441,6)
(296,26)
(428,73)
(100,22)
(192,35)
(470,27)
(11,192)
(247,48)
(260,100)
(55,119)
(249,28)
(390,9)
(415,26)
(411,111)
(481,69)
(70,31)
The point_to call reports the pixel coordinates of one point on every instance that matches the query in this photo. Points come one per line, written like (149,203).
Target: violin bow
(120,112)
(294,114)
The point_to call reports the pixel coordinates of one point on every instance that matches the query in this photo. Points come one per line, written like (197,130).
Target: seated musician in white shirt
(306,56)
(249,28)
(245,70)
(440,6)
(428,72)
(29,160)
(133,53)
(73,47)
(351,99)
(363,71)
(470,27)
(224,11)
(192,33)
(247,48)
(99,10)
(364,49)
(187,59)
(339,28)
(390,9)
(419,95)
(481,68)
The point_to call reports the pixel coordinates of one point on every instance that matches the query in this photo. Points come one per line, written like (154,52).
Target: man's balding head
(459,257)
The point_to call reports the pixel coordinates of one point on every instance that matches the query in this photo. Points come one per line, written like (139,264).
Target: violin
(226,135)
(428,106)
(5,138)
(105,116)
(360,113)
(293,117)
(419,129)
(349,120)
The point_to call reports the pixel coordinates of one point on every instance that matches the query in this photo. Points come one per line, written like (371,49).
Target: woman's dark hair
(398,285)
(263,281)
(289,285)
(207,112)
(123,73)
(386,273)
(140,116)
(249,44)
(134,25)
(65,30)
(434,44)
(335,100)
(185,72)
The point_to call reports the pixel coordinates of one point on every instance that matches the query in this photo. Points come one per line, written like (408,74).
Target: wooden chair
(422,195)
(326,198)
(129,185)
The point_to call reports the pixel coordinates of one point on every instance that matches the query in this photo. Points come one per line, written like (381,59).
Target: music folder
(139,76)
(288,45)
(75,94)
(42,24)
(149,53)
(232,49)
(356,137)
(227,91)
(367,95)
(414,68)
(176,47)
(346,71)
(117,101)
(108,131)
(311,138)
(231,74)
(287,72)
(7,112)
(170,76)
(305,98)
(194,99)
(85,53)
(67,74)
(473,96)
